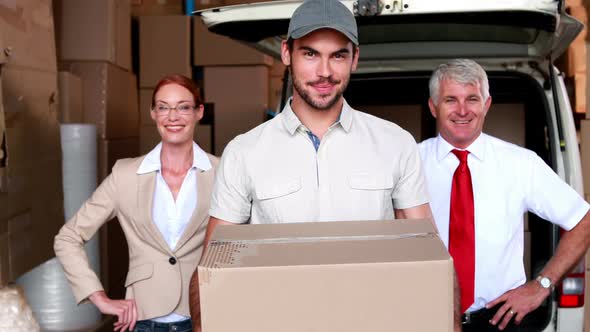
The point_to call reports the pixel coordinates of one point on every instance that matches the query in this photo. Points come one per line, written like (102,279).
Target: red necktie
(462,229)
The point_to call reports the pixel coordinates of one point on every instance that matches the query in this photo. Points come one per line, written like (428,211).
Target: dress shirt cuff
(577,216)
(407,203)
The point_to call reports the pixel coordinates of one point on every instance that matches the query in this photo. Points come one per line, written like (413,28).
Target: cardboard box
(275,93)
(156,7)
(205,4)
(506,122)
(24,243)
(20,245)
(214,50)
(145,105)
(245,108)
(4,257)
(580,84)
(110,98)
(277,69)
(409,117)
(164,48)
(31,137)
(26,28)
(148,138)
(576,56)
(2,127)
(89,30)
(109,151)
(70,98)
(332,276)
(203,137)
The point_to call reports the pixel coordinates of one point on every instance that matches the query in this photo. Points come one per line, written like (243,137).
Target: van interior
(519,114)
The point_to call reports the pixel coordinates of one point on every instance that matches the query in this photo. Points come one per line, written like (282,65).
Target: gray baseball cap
(312,15)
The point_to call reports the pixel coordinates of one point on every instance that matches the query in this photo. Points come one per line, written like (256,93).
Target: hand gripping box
(327,276)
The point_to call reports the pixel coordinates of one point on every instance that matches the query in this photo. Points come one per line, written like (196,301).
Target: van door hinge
(395,5)
(376,7)
(367,7)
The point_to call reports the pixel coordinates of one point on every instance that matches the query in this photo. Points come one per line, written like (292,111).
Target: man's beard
(320,105)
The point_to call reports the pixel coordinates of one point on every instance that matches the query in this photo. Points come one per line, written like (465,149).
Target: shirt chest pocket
(371,194)
(277,187)
(277,198)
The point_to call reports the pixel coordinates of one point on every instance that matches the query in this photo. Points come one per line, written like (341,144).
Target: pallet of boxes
(99,88)
(31,196)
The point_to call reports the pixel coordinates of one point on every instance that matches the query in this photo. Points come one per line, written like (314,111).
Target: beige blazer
(158,277)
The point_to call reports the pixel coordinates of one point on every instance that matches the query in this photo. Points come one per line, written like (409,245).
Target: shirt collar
(292,122)
(152,163)
(476,149)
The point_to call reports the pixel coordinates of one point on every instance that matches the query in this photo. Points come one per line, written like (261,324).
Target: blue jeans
(152,326)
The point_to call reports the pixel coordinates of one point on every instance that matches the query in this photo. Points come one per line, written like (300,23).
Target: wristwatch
(545,282)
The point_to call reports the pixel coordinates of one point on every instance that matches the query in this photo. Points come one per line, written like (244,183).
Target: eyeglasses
(183,109)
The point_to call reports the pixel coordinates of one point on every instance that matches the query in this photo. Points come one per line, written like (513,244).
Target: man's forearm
(571,248)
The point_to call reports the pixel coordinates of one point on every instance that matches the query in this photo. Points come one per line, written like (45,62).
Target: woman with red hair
(161,200)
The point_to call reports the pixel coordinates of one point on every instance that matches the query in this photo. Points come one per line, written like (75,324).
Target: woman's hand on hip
(125,310)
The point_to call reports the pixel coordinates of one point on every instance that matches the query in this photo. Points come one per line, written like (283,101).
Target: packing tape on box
(229,248)
(297,239)
(15,313)
(46,286)
(223,252)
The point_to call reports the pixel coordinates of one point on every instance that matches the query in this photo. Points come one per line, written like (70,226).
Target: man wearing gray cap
(319,159)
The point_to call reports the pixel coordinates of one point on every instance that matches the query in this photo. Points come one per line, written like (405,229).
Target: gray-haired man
(480,187)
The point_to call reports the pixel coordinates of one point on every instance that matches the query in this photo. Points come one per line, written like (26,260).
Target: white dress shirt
(363,168)
(507,182)
(170,216)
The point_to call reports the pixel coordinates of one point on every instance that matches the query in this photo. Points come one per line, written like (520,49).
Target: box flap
(324,243)
(322,229)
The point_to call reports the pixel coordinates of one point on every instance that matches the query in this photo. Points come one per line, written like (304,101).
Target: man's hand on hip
(518,303)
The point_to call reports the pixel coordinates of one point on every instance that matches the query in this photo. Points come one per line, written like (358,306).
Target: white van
(402,41)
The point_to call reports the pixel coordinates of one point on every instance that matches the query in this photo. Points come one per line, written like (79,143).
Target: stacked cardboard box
(205,4)
(70,98)
(31,194)
(156,7)
(575,57)
(236,80)
(165,48)
(105,28)
(102,62)
(275,85)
